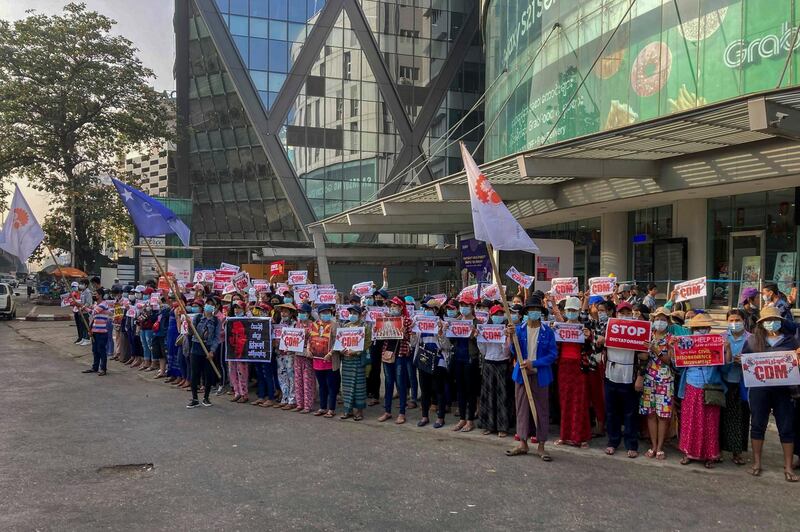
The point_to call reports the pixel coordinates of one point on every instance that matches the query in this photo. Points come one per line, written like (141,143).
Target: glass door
(669,263)
(746,262)
(580,265)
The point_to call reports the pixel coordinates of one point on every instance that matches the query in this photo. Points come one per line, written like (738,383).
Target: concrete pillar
(323,272)
(690,220)
(614,244)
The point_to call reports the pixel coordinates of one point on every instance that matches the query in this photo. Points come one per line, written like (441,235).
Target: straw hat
(288,306)
(700,321)
(770,313)
(661,311)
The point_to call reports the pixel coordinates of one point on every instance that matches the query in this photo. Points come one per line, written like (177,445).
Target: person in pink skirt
(303,368)
(236,338)
(699,422)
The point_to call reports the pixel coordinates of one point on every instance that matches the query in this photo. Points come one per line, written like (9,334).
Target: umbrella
(69,272)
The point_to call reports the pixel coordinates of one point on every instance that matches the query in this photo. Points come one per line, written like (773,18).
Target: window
(409,33)
(317,120)
(409,73)
(354,107)
(328,50)
(3,290)
(347,66)
(339,108)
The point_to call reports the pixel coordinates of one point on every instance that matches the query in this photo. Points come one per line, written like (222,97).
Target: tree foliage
(74,99)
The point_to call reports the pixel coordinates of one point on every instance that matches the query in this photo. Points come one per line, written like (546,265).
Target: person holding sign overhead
(772,336)
(354,380)
(395,355)
(702,393)
(539,352)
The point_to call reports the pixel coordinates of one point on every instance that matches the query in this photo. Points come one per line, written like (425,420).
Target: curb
(45,317)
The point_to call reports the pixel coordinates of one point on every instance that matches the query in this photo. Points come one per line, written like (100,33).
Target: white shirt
(494,352)
(619,365)
(533,342)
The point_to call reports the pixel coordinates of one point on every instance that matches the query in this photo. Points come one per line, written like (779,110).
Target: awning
(637,160)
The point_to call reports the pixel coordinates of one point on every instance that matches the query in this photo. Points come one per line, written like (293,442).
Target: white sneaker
(85,342)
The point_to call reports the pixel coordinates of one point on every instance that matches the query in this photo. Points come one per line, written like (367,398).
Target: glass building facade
(607,66)
(373,108)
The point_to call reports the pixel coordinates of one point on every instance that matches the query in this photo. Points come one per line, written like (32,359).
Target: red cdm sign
(628,334)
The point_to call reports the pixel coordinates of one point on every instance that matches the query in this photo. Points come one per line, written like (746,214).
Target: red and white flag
(491,219)
(21,233)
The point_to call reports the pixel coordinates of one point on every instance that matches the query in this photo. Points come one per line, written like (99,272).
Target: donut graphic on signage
(651,69)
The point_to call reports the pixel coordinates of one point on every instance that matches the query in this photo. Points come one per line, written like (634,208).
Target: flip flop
(755,471)
(610,451)
(790,477)
(516,451)
(358,418)
(545,457)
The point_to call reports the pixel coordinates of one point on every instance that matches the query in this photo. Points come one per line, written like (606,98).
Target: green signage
(665,57)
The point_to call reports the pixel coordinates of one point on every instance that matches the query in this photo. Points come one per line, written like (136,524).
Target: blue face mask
(193,309)
(409,299)
(208,308)
(602,316)
(736,326)
(353,318)
(465,311)
(571,314)
(430,312)
(325,317)
(394,311)
(515,318)
(302,316)
(369,302)
(451,313)
(771,325)
(238,312)
(497,320)
(534,315)
(287,300)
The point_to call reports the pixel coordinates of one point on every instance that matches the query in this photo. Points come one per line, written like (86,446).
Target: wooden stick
(183,308)
(514,338)
(80,310)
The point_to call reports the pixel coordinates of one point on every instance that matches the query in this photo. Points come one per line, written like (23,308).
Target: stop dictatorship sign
(628,334)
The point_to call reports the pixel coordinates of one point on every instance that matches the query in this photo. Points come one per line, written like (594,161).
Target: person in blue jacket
(537,344)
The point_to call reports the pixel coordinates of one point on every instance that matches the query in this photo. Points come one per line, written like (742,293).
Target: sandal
(584,445)
(328,415)
(633,454)
(257,402)
(358,417)
(738,460)
(469,427)
(243,399)
(790,477)
(346,415)
(708,464)
(502,434)
(319,413)
(650,453)
(516,451)
(755,471)
(460,425)
(372,402)
(384,417)
(545,457)
(486,432)
(661,455)
(610,451)
(400,419)
(685,460)
(235,398)
(422,422)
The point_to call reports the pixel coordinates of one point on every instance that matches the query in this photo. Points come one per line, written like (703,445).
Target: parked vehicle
(9,279)
(8,303)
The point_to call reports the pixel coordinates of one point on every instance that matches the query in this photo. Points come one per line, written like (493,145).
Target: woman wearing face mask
(173,364)
(303,367)
(596,311)
(158,347)
(354,382)
(285,362)
(238,371)
(374,377)
(146,318)
(432,383)
(325,362)
(192,311)
(207,326)
(699,422)
(656,382)
(497,407)
(466,368)
(734,425)
(131,326)
(768,337)
(573,392)
(539,352)
(411,376)
(396,355)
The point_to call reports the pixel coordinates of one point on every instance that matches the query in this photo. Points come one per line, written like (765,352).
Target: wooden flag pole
(183,308)
(80,310)
(514,338)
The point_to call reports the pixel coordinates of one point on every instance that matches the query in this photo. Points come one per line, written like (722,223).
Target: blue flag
(149,215)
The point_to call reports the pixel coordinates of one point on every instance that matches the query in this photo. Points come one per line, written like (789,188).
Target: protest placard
(363,289)
(203,276)
(326,296)
(425,324)
(260,285)
(562,287)
(569,332)
(439,298)
(602,286)
(628,334)
(349,338)
(228,267)
(305,292)
(131,312)
(690,289)
(491,334)
(482,316)
(241,281)
(471,290)
(281,288)
(343,312)
(247,339)
(277,331)
(778,368)
(222,278)
(459,329)
(228,289)
(67,300)
(699,350)
(520,278)
(297,277)
(388,328)
(276,268)
(491,292)
(292,339)
(374,312)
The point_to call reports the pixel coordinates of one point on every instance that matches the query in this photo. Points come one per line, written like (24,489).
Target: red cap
(624,305)
(467,299)
(397,301)
(147,291)
(497,309)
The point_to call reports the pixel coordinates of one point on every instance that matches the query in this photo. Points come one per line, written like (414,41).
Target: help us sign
(691,289)
(633,335)
(778,368)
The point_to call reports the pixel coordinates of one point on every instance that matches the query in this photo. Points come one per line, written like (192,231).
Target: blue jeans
(411,372)
(622,406)
(396,373)
(99,352)
(146,336)
(266,387)
(328,381)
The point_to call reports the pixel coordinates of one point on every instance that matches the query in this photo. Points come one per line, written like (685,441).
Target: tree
(73,100)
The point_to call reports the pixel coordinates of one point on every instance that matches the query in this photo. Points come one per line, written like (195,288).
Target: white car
(9,279)
(8,304)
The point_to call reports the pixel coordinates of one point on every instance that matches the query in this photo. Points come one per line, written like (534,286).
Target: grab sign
(633,335)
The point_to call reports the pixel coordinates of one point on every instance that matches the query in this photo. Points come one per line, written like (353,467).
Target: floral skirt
(656,397)
(699,437)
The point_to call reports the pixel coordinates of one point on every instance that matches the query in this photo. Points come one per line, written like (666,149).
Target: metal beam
(251,103)
(356,220)
(773,118)
(180,23)
(308,55)
(405,208)
(587,168)
(405,228)
(448,192)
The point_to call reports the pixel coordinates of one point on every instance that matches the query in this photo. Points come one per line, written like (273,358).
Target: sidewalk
(60,338)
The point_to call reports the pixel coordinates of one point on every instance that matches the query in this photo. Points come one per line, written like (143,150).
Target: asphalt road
(234,467)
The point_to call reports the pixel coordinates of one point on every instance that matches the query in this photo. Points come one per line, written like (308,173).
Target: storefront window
(649,231)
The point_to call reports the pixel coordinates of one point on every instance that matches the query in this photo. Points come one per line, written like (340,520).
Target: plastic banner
(248,339)
(627,334)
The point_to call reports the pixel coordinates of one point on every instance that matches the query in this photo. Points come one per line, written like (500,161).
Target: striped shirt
(100,323)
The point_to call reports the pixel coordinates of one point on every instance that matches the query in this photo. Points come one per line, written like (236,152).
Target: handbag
(426,359)
(714,395)
(388,356)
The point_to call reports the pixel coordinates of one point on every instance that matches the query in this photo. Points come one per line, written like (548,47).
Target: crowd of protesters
(588,390)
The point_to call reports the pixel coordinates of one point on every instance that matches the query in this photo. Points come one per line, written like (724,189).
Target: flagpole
(80,310)
(514,338)
(183,308)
